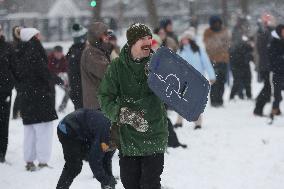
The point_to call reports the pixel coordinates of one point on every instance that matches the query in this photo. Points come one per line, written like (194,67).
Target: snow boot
(30,166)
(177,125)
(276,111)
(42,165)
(197,127)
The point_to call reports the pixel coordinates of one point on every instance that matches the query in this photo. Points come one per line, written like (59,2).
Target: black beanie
(137,31)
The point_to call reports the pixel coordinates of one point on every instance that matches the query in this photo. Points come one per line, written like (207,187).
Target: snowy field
(234,150)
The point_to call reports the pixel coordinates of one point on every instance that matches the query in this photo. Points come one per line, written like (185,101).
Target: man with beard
(139,114)
(6,86)
(94,62)
(217,41)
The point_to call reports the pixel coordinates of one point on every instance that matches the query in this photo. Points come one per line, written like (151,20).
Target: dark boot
(177,125)
(276,111)
(42,165)
(2,158)
(197,127)
(30,166)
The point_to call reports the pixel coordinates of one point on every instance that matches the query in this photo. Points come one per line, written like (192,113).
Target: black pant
(265,93)
(172,138)
(17,105)
(5,105)
(141,172)
(217,89)
(278,84)
(65,98)
(74,153)
(242,80)
(76,97)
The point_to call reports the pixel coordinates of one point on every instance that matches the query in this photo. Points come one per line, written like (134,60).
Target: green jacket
(125,85)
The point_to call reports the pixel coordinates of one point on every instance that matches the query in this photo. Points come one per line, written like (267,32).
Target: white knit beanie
(27,33)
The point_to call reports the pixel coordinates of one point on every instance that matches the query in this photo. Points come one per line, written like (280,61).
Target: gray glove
(133,118)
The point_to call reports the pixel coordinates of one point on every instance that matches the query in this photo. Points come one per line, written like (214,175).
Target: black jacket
(262,41)
(240,56)
(92,128)
(276,54)
(34,83)
(74,73)
(6,71)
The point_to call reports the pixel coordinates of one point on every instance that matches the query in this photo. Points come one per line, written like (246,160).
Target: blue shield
(178,84)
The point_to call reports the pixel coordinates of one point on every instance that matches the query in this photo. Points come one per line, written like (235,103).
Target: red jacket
(56,66)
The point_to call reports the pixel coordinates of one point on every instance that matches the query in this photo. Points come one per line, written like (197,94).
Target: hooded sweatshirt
(125,85)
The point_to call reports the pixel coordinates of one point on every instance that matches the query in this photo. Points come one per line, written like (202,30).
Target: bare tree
(152,10)
(225,11)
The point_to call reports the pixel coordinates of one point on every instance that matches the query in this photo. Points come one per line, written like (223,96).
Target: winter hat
(165,22)
(27,33)
(279,29)
(58,48)
(79,33)
(213,19)
(137,31)
(95,31)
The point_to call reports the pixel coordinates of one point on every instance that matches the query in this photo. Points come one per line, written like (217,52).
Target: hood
(275,35)
(95,31)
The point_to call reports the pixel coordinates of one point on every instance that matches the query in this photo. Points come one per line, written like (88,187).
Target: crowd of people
(114,107)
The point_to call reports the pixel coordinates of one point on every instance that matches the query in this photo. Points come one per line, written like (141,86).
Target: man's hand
(133,118)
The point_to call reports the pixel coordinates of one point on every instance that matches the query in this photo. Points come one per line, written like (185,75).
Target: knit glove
(133,118)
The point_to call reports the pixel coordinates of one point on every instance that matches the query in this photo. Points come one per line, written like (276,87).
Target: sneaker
(197,127)
(42,165)
(30,166)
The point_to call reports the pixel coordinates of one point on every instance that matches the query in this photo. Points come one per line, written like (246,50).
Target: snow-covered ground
(234,150)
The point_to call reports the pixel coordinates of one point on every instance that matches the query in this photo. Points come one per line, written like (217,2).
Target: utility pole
(96,6)
(152,10)
(244,4)
(225,12)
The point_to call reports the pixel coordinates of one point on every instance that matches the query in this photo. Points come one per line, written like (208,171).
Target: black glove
(110,185)
(133,118)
